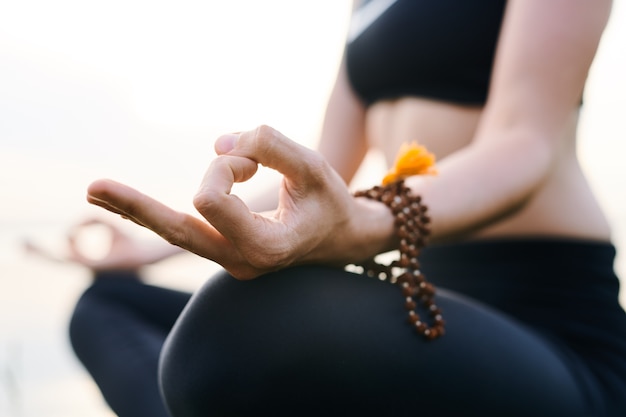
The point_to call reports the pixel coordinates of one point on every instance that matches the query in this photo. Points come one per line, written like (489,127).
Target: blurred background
(137,91)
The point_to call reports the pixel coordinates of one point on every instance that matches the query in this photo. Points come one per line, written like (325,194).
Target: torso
(441,107)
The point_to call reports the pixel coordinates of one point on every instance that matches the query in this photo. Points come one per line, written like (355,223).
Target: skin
(124,253)
(507,169)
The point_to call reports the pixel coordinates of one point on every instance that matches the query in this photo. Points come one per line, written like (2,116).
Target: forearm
(484,182)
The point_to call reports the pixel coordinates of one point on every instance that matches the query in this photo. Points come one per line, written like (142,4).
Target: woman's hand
(124,253)
(316,221)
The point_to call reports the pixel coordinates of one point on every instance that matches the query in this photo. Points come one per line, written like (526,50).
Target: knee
(208,365)
(188,378)
(192,381)
(176,382)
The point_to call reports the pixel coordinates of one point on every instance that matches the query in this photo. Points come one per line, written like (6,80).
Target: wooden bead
(408,291)
(431,333)
(400,219)
(420,327)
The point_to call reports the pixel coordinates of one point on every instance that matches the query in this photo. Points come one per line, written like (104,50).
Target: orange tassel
(412,159)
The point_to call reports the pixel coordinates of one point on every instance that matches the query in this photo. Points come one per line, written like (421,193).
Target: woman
(520,250)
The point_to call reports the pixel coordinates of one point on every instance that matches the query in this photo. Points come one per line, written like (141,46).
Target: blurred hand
(317,219)
(124,253)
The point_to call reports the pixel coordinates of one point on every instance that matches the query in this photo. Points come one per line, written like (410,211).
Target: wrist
(373,227)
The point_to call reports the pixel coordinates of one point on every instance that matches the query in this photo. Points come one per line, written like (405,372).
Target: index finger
(177,228)
(272,149)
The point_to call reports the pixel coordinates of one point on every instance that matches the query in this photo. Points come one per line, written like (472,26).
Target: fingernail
(226,143)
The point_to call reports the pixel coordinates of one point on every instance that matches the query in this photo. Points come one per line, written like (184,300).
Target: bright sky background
(137,90)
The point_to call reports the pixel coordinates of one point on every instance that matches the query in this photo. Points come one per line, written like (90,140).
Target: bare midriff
(563,206)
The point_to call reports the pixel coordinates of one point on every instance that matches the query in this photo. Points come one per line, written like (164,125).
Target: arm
(343,142)
(543,56)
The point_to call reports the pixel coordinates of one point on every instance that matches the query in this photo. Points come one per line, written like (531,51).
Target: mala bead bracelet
(412,228)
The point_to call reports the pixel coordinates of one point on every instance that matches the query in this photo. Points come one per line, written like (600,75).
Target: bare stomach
(563,206)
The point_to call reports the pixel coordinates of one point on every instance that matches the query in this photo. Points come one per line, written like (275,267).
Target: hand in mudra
(121,251)
(314,221)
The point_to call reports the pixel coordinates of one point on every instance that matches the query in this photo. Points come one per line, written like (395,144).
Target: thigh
(321,341)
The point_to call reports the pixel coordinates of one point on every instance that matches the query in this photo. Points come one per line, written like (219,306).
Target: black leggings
(117,331)
(320,341)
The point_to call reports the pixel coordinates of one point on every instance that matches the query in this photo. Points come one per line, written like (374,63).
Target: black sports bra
(439,49)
